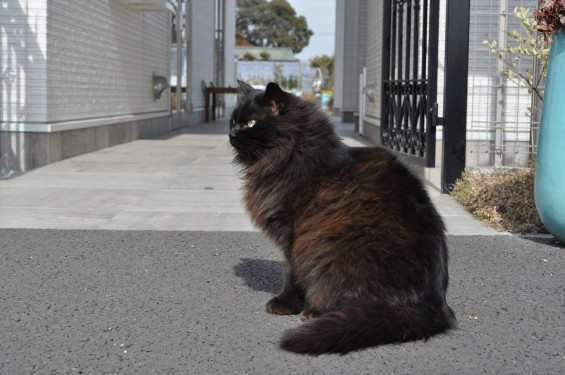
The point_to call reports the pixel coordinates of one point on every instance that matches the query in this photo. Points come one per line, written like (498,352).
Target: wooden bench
(210,107)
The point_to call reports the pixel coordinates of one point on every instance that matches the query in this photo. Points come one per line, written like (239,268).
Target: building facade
(351,49)
(78,76)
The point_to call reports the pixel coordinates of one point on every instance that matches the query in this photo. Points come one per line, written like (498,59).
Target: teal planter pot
(550,164)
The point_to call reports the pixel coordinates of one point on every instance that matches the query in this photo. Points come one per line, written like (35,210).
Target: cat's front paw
(281,306)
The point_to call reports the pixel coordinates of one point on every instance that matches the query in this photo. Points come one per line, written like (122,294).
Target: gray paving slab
(184,181)
(166,302)
(186,221)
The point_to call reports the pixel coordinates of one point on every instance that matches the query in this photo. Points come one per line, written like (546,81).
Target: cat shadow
(260,274)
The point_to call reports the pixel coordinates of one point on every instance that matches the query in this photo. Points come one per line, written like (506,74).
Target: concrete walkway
(185,181)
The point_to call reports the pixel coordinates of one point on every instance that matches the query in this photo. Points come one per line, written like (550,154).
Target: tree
(271,24)
(326,63)
(248,56)
(528,45)
(265,56)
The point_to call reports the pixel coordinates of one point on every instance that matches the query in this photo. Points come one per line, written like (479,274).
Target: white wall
(100,59)
(81,60)
(339,58)
(201,51)
(23,67)
(374,59)
(350,52)
(229,49)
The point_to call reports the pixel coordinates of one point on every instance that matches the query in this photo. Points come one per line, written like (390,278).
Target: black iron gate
(409,108)
(410,77)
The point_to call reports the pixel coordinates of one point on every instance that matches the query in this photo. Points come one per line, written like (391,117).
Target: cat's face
(254,123)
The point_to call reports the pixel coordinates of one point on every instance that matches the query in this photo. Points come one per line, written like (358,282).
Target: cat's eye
(250,123)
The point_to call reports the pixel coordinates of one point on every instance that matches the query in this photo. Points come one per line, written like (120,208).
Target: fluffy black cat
(365,249)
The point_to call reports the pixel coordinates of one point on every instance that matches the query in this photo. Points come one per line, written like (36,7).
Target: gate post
(455,93)
(385,61)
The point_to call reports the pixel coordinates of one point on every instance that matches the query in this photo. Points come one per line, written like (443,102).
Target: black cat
(365,249)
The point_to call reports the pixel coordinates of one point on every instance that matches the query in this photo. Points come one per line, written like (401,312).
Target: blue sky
(320,15)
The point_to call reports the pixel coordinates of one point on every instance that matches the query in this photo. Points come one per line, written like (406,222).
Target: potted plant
(549,183)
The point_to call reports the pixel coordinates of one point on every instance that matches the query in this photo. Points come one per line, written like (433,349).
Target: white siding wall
(101,56)
(339,54)
(81,59)
(229,49)
(23,67)
(201,50)
(362,42)
(374,58)
(351,37)
(351,62)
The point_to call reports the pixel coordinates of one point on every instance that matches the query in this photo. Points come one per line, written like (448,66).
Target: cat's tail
(360,326)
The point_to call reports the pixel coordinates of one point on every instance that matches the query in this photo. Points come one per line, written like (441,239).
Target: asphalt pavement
(140,302)
(140,259)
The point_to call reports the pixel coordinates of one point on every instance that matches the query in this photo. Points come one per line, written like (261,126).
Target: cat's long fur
(365,250)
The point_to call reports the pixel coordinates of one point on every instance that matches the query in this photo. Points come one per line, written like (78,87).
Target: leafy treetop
(271,24)
(326,64)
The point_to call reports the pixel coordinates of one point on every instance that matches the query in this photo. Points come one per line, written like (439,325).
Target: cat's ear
(245,87)
(274,96)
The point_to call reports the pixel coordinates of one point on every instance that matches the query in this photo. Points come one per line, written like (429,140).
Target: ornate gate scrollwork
(410,43)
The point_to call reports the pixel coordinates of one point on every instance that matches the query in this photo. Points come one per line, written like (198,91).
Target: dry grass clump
(502,199)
